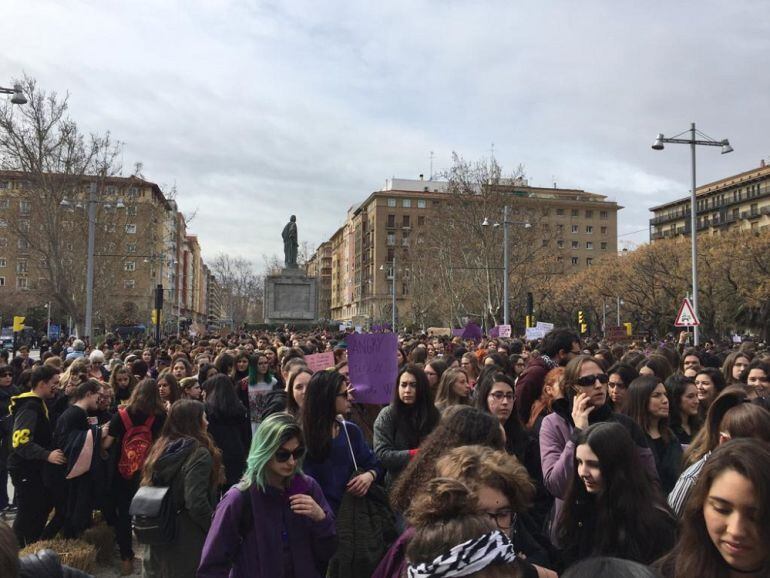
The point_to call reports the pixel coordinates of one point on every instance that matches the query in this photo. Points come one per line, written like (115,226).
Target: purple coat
(311,544)
(557,452)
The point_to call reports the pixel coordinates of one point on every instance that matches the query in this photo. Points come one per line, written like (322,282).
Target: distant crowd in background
(228,456)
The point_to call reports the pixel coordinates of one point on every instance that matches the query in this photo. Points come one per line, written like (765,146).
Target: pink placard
(320,361)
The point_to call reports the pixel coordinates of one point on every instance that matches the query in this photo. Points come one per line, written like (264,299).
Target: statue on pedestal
(290,244)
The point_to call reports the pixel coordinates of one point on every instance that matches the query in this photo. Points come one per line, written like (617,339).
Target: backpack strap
(150,421)
(125,418)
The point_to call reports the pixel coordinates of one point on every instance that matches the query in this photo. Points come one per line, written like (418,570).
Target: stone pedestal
(291,297)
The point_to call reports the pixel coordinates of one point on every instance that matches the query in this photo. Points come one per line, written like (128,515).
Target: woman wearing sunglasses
(276,522)
(582,402)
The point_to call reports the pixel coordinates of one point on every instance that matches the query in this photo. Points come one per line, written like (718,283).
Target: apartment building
(137,233)
(319,267)
(579,226)
(737,202)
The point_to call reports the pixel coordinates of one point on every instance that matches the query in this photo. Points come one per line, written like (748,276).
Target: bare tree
(242,288)
(56,165)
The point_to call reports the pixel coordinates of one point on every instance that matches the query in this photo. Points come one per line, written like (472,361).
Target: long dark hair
(291,404)
(173,385)
(695,553)
(185,420)
(221,398)
(676,387)
(516,439)
(639,393)
(460,425)
(146,399)
(418,419)
(318,415)
(623,528)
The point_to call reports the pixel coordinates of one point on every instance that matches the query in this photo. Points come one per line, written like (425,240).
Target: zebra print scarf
(468,557)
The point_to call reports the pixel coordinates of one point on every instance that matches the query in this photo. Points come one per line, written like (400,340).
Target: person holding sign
(333,443)
(401,426)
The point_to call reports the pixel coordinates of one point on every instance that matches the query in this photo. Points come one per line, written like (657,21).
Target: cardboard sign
(546,328)
(320,361)
(472,331)
(435,331)
(373,366)
(504,330)
(616,333)
(533,333)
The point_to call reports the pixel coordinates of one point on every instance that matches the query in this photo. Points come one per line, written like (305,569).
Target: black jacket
(232,434)
(32,436)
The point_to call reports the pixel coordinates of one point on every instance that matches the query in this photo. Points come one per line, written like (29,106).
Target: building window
(131,248)
(391,254)
(24,225)
(589,261)
(407,221)
(575,212)
(589,245)
(131,211)
(575,245)
(590,229)
(22,244)
(129,284)
(3,224)
(112,190)
(421,203)
(25,207)
(406,203)
(109,227)
(3,241)
(22,283)
(5,185)
(589,214)
(574,260)
(133,191)
(604,246)
(545,242)
(131,229)
(2,281)
(391,221)
(560,244)
(559,212)
(560,229)
(391,239)
(604,230)
(4,203)
(391,202)
(130,266)
(603,214)
(21,266)
(3,263)
(574,228)
(420,220)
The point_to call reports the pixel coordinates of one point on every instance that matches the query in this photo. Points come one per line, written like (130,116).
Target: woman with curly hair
(459,426)
(122,382)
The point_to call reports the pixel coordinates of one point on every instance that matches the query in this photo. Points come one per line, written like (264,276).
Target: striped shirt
(684,485)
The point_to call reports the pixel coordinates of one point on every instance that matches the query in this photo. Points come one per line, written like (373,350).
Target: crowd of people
(494,458)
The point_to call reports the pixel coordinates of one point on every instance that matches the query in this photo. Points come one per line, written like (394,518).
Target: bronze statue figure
(290,244)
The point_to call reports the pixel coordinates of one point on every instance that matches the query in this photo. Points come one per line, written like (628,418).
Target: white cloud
(257,110)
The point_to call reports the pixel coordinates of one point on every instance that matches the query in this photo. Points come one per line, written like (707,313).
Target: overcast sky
(256,110)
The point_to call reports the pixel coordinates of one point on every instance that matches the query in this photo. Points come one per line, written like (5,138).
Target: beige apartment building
(582,227)
(138,244)
(738,202)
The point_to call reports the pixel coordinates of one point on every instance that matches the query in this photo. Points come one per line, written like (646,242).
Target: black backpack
(153,515)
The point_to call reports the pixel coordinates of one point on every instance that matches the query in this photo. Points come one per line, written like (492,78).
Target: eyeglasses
(589,380)
(504,518)
(282,455)
(500,396)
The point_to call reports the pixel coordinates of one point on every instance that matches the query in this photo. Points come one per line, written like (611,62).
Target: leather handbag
(153,516)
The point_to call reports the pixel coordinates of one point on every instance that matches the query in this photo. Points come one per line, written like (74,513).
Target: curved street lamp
(18,94)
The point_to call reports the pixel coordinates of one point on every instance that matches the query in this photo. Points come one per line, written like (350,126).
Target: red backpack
(136,443)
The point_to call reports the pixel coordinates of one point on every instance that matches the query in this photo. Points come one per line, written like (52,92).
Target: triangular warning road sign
(686,316)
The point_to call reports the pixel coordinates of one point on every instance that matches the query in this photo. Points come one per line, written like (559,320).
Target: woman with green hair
(276,521)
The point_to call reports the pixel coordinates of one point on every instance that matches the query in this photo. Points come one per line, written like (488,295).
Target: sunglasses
(589,380)
(282,455)
(6,374)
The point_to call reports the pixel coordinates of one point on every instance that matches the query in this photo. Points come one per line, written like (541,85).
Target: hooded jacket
(32,435)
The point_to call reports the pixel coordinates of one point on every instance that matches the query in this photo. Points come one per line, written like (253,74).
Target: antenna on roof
(431,166)
(553,178)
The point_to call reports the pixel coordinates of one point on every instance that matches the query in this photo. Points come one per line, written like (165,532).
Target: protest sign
(504,330)
(494,332)
(472,331)
(320,361)
(546,328)
(373,366)
(533,333)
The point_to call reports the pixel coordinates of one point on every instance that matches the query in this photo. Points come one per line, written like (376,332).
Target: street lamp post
(392,293)
(92,202)
(18,95)
(506,259)
(693,141)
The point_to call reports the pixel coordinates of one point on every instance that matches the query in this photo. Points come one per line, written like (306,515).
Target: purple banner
(457,332)
(373,366)
(494,332)
(472,331)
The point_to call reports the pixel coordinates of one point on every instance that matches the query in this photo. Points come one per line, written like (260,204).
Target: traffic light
(582,322)
(628,327)
(156,316)
(530,320)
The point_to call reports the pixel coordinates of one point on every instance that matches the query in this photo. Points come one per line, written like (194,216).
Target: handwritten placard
(504,330)
(373,366)
(320,361)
